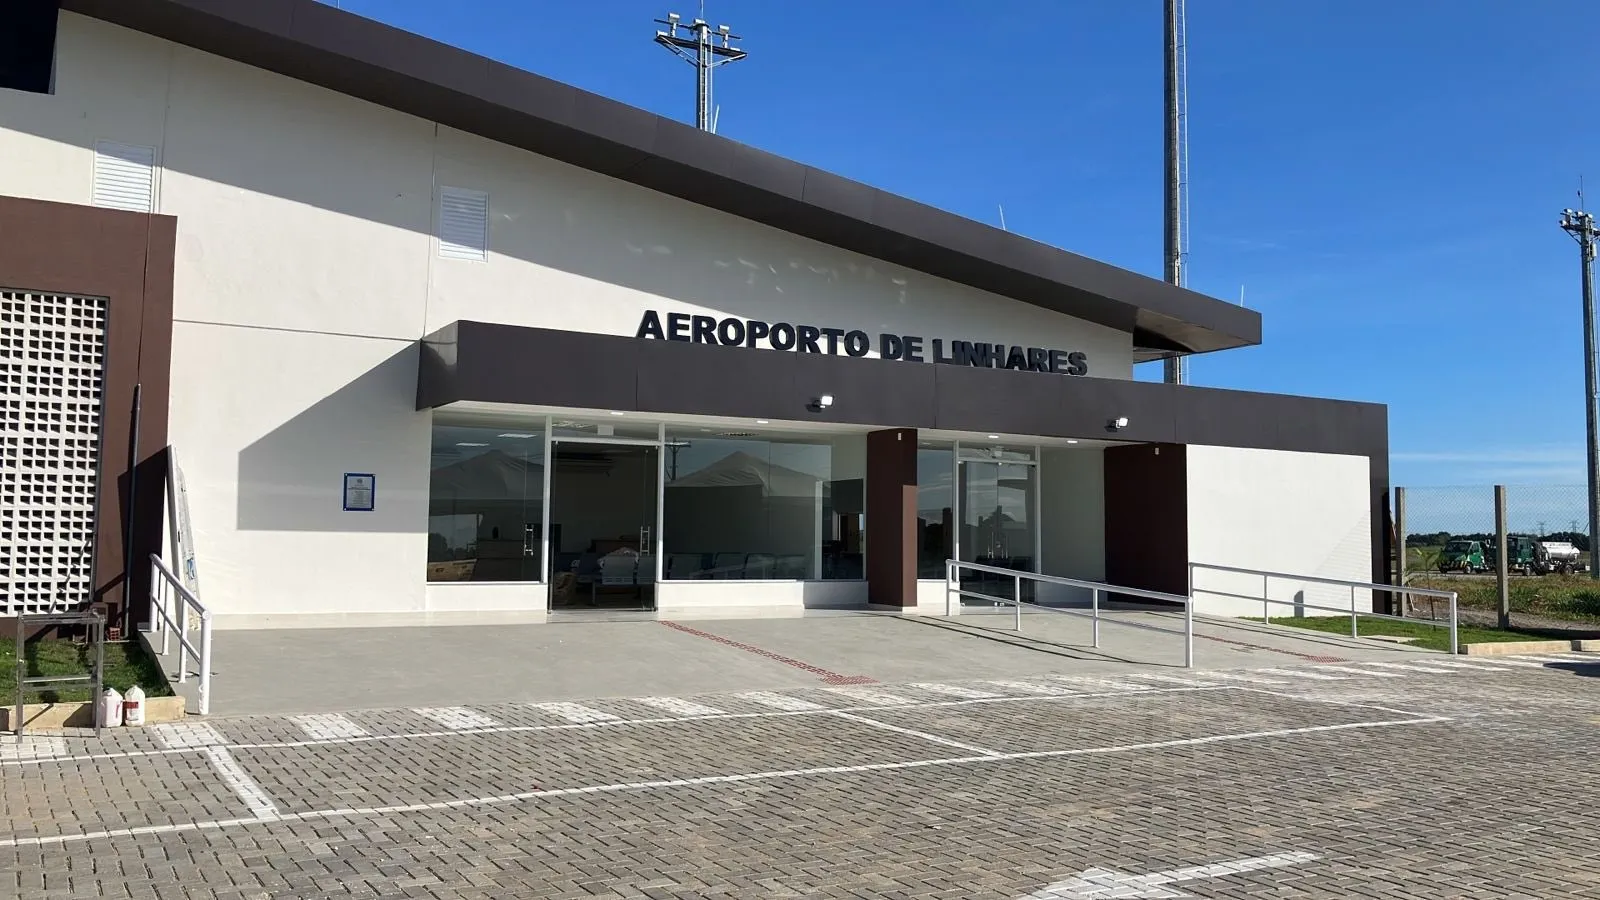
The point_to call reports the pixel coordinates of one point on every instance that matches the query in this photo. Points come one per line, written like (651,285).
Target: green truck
(1467,557)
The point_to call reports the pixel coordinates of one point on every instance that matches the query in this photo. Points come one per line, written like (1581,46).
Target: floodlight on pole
(705,48)
(1581,226)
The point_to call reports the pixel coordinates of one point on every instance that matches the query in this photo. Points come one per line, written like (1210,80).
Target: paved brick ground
(1472,782)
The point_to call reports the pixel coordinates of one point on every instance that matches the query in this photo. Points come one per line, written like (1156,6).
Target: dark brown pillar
(892,517)
(127,258)
(1147,517)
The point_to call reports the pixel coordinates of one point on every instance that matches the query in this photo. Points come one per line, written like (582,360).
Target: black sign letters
(811,339)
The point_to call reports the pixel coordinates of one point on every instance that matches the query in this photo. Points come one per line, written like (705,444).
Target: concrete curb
(55,716)
(1503,648)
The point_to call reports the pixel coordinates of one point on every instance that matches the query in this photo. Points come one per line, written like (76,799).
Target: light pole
(1581,226)
(701,50)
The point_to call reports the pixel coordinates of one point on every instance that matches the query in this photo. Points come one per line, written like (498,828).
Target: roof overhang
(316,43)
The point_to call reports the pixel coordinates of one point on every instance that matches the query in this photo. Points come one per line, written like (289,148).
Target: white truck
(1562,557)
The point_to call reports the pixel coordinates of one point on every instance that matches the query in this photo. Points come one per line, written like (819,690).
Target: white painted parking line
(255,799)
(1371,673)
(1295,673)
(32,748)
(951,690)
(1405,667)
(346,813)
(1502,661)
(1246,677)
(457,718)
(574,712)
(934,738)
(877,698)
(1173,679)
(1098,883)
(186,735)
(330,727)
(1553,657)
(1110,684)
(1470,667)
(679,707)
(780,701)
(1028,687)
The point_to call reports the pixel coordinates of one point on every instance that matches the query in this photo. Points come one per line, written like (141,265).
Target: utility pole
(699,46)
(1581,226)
(1177,153)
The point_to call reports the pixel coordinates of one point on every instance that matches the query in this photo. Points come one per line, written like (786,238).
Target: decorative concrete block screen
(52,355)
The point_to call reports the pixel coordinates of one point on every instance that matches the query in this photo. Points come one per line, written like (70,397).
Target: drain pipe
(126,618)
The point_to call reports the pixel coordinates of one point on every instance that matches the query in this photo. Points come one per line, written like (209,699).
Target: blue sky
(1382,177)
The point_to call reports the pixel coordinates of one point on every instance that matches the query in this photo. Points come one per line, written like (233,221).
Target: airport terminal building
(431,338)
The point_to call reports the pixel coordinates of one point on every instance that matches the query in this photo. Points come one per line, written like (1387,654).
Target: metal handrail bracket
(1095,588)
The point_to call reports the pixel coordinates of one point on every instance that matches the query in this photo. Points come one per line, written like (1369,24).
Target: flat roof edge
(324,46)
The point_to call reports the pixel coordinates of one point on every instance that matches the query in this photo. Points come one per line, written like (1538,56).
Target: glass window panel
(997,524)
(935,510)
(746,505)
(486,503)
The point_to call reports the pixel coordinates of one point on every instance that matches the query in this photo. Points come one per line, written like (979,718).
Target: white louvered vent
(463,223)
(124,176)
(52,360)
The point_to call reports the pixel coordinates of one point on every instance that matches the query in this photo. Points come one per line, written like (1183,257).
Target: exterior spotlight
(1117,424)
(820,403)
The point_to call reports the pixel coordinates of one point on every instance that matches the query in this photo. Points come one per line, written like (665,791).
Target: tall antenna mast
(705,49)
(1177,164)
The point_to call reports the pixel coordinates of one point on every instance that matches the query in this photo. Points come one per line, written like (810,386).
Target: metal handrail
(163,585)
(952,589)
(1266,601)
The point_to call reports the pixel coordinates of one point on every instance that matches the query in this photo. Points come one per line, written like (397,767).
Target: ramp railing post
(1454,647)
(1353,631)
(1016,598)
(1188,623)
(183,640)
(949,579)
(1094,600)
(205,662)
(1266,597)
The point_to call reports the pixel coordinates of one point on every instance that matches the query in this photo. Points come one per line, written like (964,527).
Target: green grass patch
(1571,598)
(126,665)
(1430,637)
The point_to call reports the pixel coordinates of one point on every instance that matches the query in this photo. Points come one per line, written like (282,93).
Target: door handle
(644,538)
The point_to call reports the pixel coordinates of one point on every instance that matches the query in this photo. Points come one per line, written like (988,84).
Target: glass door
(603,501)
(998,524)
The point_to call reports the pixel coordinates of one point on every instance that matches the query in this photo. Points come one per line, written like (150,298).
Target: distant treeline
(1440,538)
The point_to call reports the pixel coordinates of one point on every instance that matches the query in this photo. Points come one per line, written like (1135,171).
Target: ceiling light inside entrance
(470,444)
(518,435)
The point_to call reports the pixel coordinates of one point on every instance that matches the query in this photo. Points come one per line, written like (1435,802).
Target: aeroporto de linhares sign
(733,332)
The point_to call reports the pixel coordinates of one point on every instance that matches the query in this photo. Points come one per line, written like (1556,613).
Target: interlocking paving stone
(61,796)
(440,768)
(1495,802)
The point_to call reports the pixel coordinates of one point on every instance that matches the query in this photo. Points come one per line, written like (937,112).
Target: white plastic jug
(110,708)
(133,706)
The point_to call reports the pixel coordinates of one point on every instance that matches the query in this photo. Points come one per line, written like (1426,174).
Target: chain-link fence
(1450,543)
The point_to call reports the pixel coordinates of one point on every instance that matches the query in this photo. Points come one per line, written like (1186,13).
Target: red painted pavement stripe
(826,676)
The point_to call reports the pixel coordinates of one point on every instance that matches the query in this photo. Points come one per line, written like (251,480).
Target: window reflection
(748,505)
(935,510)
(485,503)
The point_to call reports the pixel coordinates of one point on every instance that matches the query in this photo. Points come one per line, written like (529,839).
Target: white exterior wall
(1301,513)
(306,267)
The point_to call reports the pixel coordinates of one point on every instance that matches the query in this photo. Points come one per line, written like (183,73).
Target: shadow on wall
(292,479)
(542,211)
